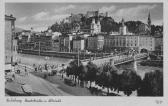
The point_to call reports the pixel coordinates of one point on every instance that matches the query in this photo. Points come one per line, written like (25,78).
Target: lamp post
(12,44)
(39,48)
(78,56)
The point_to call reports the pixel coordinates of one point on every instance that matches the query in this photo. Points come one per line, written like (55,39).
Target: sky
(42,15)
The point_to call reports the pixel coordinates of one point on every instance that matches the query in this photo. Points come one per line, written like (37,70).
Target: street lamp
(39,48)
(12,43)
(78,56)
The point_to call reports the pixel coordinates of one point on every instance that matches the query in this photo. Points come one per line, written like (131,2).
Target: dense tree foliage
(152,84)
(155,30)
(109,77)
(104,77)
(91,73)
(74,68)
(129,81)
(108,25)
(133,26)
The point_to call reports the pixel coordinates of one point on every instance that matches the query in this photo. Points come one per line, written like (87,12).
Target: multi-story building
(95,43)
(159,45)
(65,43)
(9,33)
(44,42)
(126,42)
(78,44)
(55,43)
(24,39)
(36,42)
(147,42)
(112,42)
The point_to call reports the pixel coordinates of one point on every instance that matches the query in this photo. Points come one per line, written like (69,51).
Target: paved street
(39,86)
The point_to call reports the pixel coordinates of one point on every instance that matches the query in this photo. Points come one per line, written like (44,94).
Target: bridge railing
(127,59)
(120,59)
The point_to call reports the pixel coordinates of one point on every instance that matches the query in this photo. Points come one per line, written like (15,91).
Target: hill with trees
(108,24)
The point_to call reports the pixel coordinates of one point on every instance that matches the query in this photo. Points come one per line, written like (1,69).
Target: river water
(41,60)
(141,70)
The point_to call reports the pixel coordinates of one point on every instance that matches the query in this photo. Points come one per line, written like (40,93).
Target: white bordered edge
(89,100)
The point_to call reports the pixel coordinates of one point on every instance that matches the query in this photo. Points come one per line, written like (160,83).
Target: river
(41,60)
(141,70)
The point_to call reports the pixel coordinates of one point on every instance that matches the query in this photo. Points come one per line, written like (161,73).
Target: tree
(156,30)
(91,73)
(108,25)
(104,77)
(133,26)
(75,68)
(129,81)
(82,73)
(115,82)
(152,84)
(69,71)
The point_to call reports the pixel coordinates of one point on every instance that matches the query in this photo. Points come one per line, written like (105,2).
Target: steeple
(122,21)
(149,23)
(123,28)
(149,19)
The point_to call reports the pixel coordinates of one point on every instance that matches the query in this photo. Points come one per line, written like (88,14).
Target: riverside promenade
(40,87)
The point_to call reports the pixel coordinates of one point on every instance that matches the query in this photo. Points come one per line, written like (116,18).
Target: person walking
(26,72)
(13,76)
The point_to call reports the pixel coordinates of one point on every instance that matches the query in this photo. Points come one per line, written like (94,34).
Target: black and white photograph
(84,49)
(82,53)
(77,52)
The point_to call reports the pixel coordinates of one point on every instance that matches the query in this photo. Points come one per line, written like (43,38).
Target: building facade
(147,42)
(55,43)
(159,45)
(95,43)
(95,27)
(9,33)
(78,45)
(65,43)
(126,42)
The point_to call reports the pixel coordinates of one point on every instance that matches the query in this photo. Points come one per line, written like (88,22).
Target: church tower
(123,28)
(122,21)
(149,22)
(95,26)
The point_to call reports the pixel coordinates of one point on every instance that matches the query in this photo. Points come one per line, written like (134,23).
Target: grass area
(76,90)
